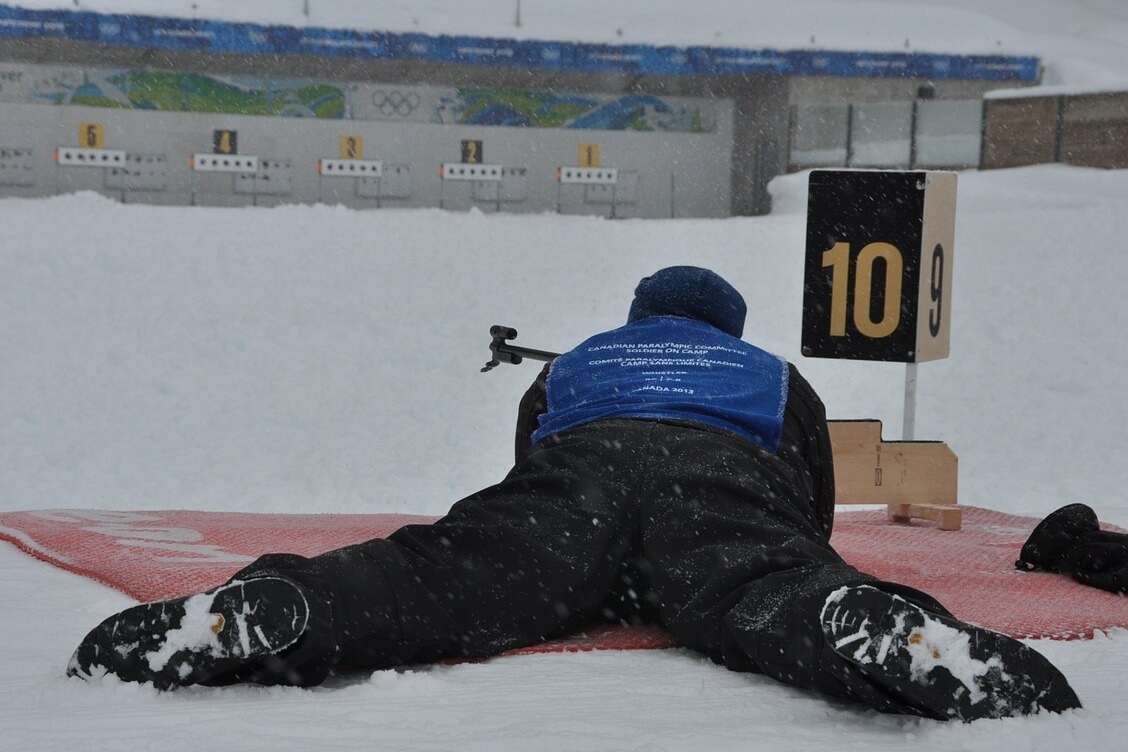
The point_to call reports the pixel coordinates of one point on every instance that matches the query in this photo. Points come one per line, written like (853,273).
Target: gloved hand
(1101,564)
(1071,541)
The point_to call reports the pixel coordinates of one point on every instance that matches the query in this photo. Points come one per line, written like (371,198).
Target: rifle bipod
(501,351)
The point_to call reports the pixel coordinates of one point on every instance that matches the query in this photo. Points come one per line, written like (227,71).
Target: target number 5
(838,259)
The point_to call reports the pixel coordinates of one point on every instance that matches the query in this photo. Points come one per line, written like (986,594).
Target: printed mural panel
(173,91)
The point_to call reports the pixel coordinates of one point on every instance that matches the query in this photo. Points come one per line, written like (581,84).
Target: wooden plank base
(947,517)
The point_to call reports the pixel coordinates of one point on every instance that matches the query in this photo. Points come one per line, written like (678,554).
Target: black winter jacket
(805,444)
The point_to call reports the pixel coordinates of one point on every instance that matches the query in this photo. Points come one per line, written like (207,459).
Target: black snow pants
(622,520)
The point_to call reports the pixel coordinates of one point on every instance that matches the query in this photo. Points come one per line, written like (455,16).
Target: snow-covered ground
(315,359)
(323,359)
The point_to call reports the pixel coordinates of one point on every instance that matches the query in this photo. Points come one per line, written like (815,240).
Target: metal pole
(673,195)
(908,431)
(913,122)
(1059,128)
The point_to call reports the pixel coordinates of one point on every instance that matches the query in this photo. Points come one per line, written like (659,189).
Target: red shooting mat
(164,554)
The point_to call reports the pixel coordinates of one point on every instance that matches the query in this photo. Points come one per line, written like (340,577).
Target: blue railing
(185,35)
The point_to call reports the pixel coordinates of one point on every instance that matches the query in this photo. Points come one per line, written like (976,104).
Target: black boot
(198,639)
(943,667)
(1070,541)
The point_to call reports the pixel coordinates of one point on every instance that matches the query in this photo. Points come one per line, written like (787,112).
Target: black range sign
(472,152)
(225,142)
(878,272)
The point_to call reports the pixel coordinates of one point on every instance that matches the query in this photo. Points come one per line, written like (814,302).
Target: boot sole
(195,639)
(945,667)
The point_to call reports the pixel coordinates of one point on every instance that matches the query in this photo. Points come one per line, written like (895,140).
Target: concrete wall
(681,174)
(1088,130)
(29,134)
(1094,130)
(756,134)
(831,90)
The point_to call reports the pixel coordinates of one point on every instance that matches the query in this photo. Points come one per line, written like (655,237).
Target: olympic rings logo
(395,102)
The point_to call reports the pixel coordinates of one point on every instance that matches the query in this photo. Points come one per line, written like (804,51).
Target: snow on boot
(946,668)
(195,639)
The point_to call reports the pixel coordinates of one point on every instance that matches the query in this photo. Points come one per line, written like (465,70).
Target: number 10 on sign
(838,259)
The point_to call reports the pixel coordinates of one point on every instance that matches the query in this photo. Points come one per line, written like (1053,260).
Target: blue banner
(187,35)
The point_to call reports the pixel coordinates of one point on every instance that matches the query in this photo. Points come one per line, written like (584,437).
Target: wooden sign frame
(914,479)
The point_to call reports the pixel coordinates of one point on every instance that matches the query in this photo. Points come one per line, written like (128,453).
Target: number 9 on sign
(936,283)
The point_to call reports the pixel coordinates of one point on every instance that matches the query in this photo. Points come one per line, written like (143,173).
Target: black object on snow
(237,632)
(908,651)
(1070,541)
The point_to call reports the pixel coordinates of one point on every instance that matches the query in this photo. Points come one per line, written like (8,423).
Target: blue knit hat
(691,292)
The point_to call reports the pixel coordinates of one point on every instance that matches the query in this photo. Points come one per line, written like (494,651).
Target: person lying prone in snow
(667,473)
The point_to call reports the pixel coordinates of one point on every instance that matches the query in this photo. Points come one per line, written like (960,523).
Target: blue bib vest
(669,368)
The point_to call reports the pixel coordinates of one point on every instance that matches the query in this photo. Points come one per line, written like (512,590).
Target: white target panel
(73,156)
(588,175)
(17,167)
(393,182)
(144,172)
(470,171)
(350,168)
(274,177)
(239,163)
